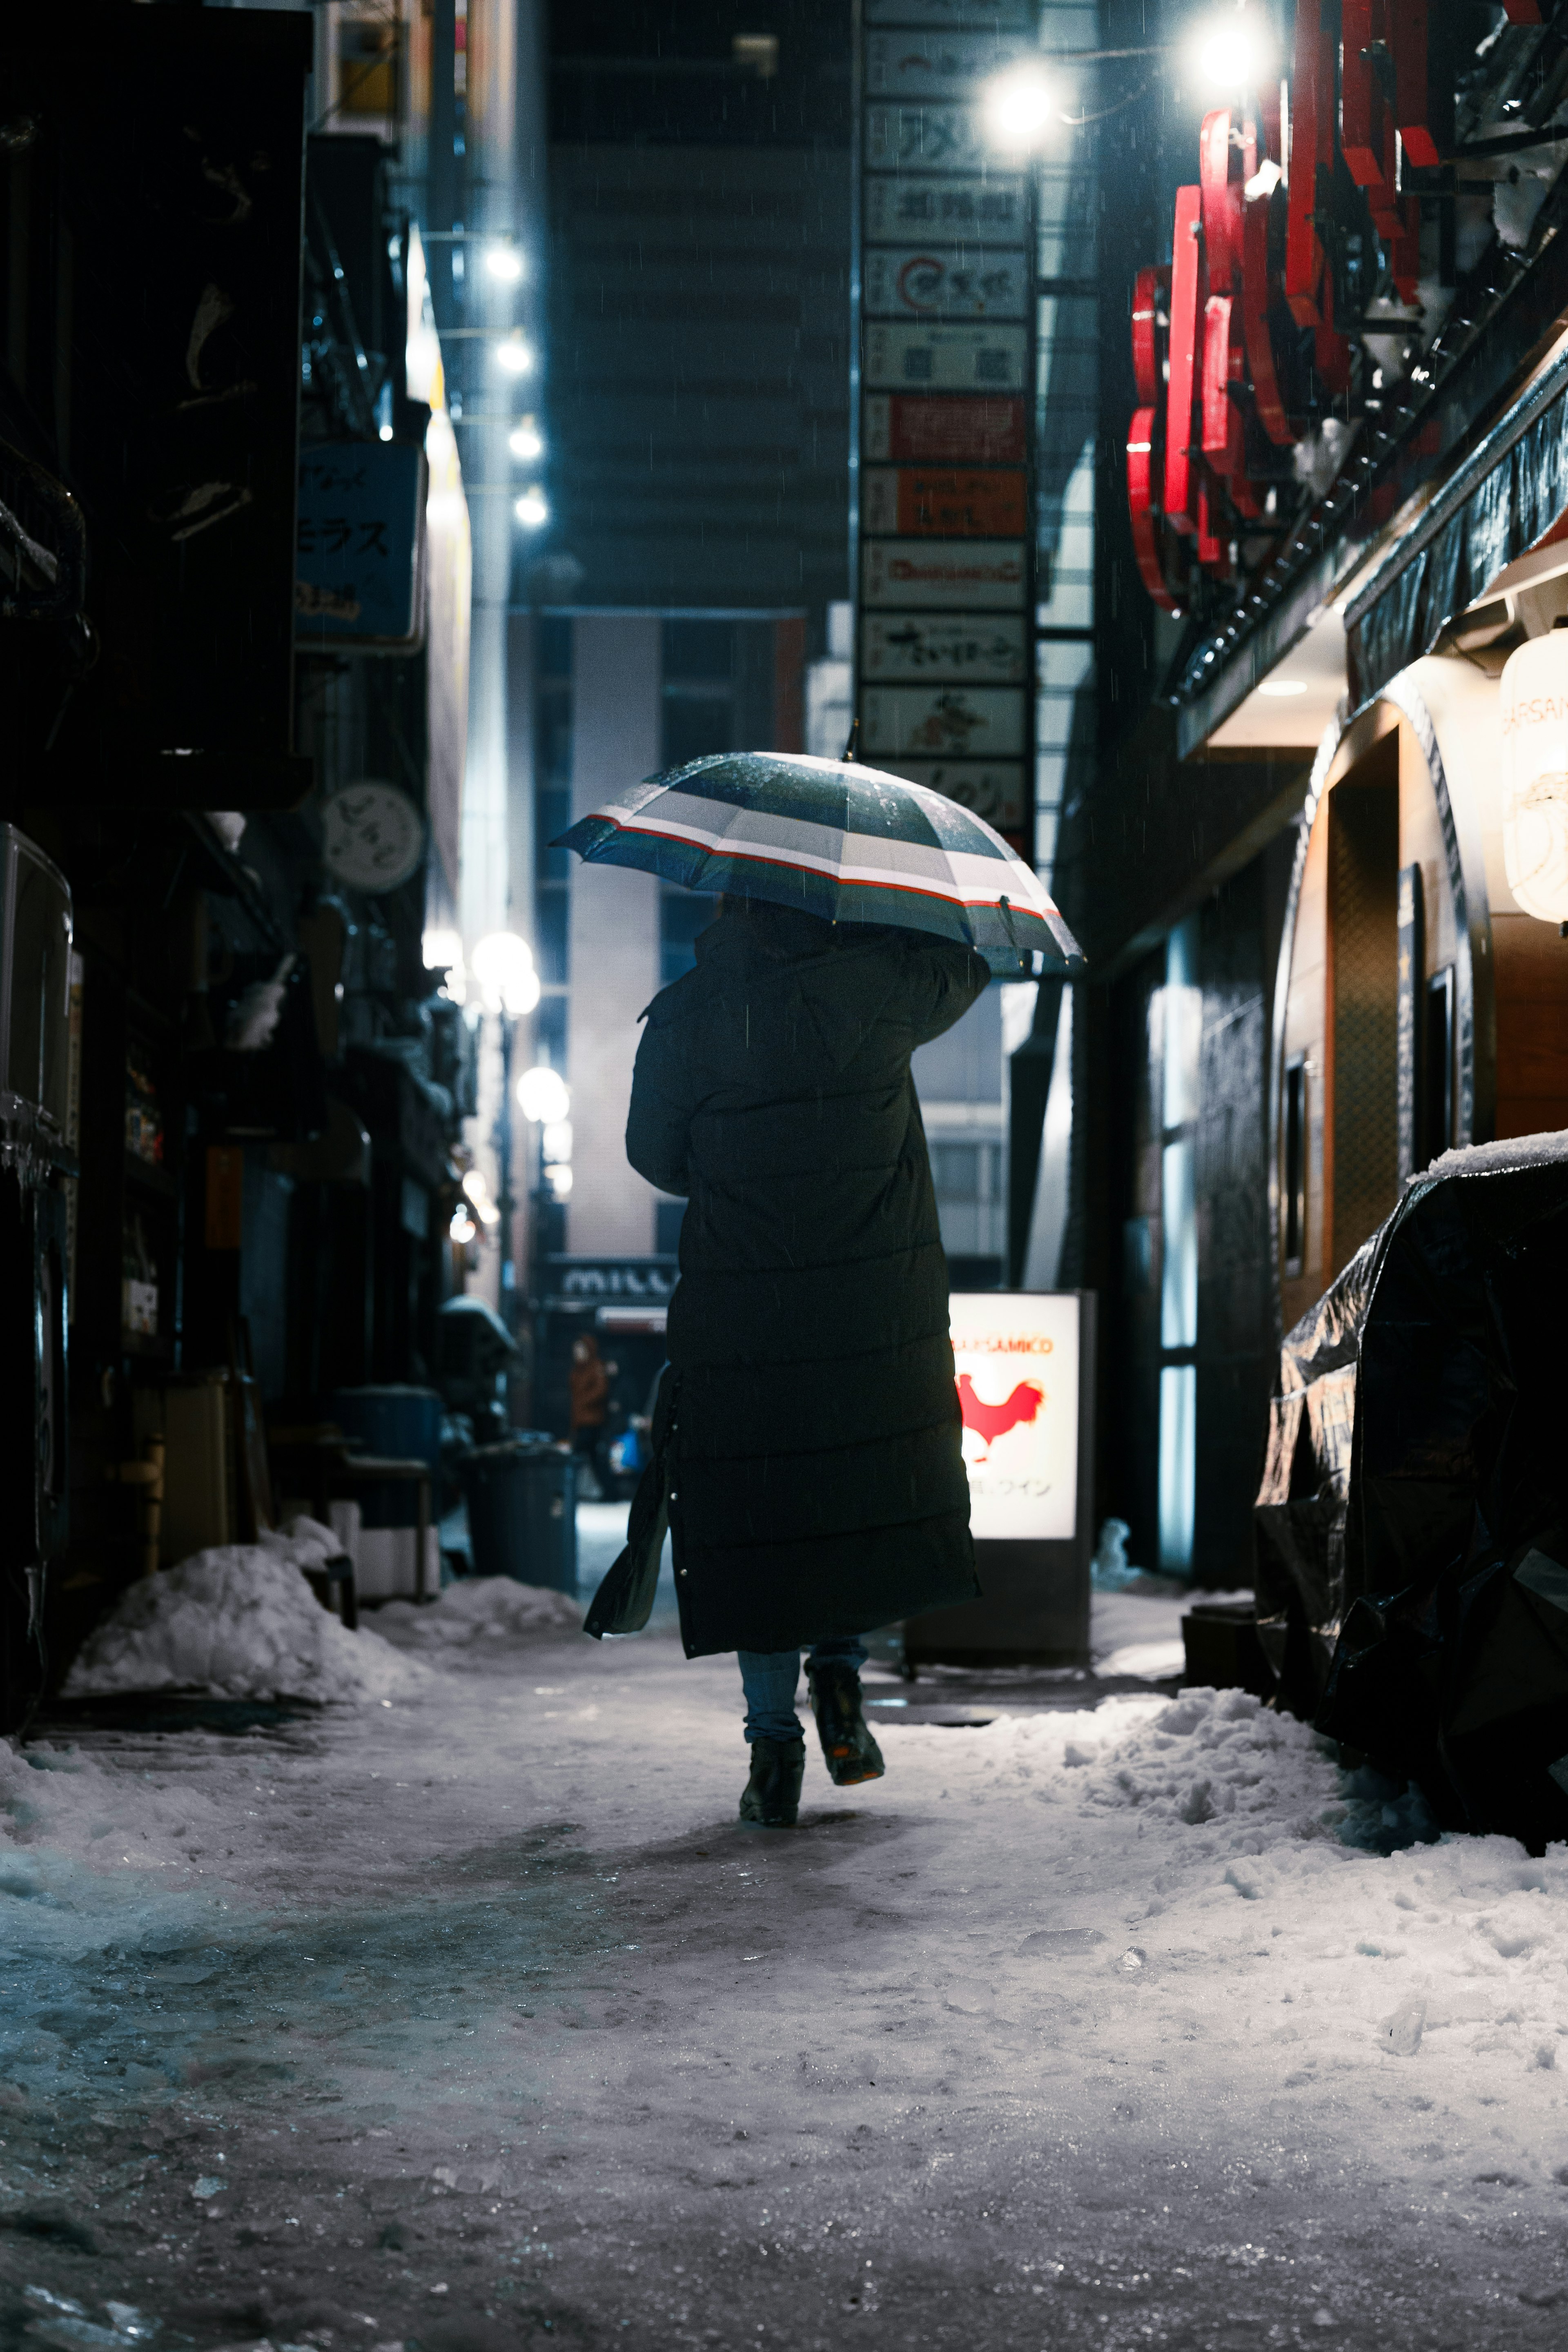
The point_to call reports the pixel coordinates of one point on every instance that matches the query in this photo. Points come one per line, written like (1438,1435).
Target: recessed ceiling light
(1283,685)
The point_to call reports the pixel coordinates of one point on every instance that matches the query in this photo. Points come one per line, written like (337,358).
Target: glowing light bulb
(514,355)
(533,509)
(526,441)
(542,1095)
(503,965)
(505,262)
(1019,105)
(1231,52)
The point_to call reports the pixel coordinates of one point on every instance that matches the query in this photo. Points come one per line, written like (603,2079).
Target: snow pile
(240,1621)
(58,1804)
(480,1609)
(1492,1158)
(1219,1755)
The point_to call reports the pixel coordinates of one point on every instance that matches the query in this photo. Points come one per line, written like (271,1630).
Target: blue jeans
(768,1678)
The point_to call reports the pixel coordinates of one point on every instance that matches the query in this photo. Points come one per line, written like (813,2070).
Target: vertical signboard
(1024,1361)
(945,424)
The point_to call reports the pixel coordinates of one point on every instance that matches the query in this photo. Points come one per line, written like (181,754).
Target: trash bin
(400,1423)
(522,1510)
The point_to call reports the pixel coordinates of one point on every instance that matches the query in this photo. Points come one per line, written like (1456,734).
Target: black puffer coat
(815,1482)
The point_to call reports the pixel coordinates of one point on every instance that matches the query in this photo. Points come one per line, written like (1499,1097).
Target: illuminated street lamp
(533,509)
(1019,105)
(504,262)
(525,441)
(443,952)
(545,1101)
(502,963)
(1231,50)
(543,1095)
(514,355)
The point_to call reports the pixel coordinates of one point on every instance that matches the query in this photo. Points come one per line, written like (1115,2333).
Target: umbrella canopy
(837,840)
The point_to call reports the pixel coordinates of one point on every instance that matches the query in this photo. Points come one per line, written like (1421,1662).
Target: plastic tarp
(1511,509)
(1413,1518)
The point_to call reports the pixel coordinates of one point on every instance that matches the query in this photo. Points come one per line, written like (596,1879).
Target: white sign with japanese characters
(1015,1357)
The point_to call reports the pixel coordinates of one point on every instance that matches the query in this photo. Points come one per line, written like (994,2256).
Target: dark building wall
(700,214)
(1115,1242)
(700,372)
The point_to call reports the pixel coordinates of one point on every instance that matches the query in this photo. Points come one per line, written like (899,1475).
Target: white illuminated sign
(1015,1356)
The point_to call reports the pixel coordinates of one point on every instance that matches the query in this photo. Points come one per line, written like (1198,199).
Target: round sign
(372,836)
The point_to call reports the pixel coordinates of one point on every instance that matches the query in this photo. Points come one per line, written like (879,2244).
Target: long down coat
(816,1484)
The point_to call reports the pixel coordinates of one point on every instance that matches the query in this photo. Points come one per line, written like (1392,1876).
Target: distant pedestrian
(808,1440)
(588,1386)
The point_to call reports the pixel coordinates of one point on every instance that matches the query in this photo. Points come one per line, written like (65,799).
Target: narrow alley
(474,2019)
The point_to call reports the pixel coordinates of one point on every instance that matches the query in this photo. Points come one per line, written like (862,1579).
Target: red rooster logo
(990,1421)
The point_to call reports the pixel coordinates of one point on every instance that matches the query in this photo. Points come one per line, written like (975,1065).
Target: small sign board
(1024,1361)
(960,722)
(926,138)
(983,648)
(359,545)
(946,208)
(935,66)
(977,575)
(960,358)
(922,281)
(946,501)
(915,430)
(605,1281)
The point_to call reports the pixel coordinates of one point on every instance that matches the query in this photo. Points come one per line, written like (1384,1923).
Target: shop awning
(1509,495)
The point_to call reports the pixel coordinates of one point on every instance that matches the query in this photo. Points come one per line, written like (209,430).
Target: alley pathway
(474,2021)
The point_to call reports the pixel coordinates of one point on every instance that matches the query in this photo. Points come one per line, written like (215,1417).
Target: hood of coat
(843,975)
(840,975)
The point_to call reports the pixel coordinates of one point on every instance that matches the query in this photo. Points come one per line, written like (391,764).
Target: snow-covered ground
(469,2017)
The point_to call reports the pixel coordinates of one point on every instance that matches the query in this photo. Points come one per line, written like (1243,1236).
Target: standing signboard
(944,412)
(1025,1365)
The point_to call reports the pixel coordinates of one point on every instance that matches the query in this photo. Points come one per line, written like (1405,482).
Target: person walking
(588,1387)
(807,1442)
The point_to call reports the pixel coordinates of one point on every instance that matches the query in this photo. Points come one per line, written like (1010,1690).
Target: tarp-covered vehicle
(1413,1518)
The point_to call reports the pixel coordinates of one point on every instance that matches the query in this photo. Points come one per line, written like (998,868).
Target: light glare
(1019,105)
(505,262)
(502,963)
(442,948)
(542,1095)
(1231,51)
(514,355)
(533,509)
(526,441)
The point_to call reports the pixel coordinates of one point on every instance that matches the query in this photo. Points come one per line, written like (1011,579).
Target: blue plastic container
(399,1422)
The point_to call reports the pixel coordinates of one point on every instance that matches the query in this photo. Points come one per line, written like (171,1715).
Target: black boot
(851,1752)
(772,1795)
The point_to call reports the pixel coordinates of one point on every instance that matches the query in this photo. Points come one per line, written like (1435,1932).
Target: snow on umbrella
(834,839)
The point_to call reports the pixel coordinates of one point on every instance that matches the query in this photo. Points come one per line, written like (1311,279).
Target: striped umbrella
(837,840)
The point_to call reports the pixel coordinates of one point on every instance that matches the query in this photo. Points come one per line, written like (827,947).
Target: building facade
(1330,485)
